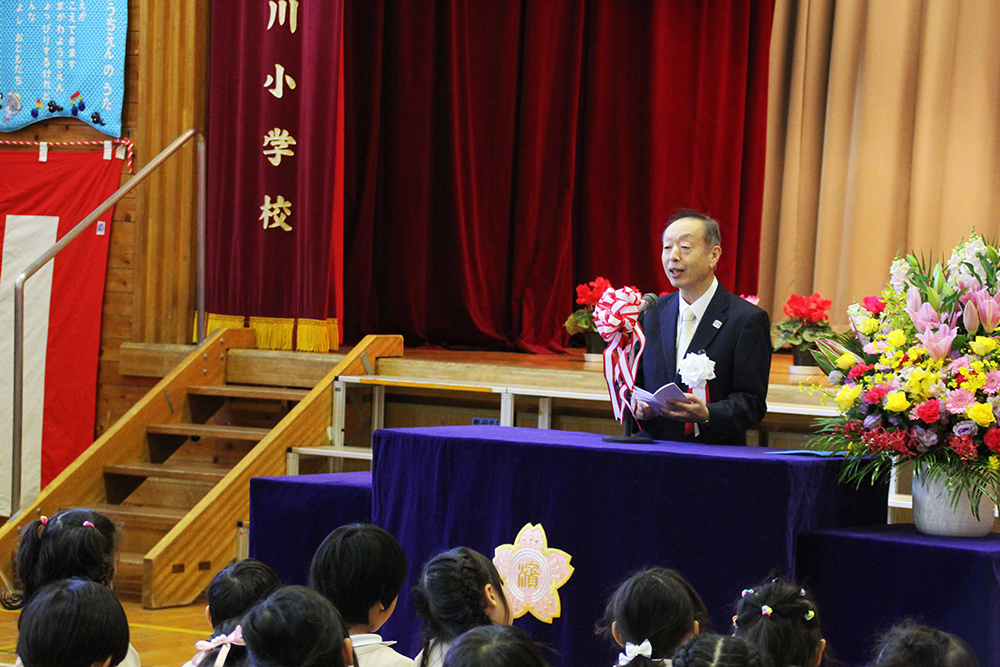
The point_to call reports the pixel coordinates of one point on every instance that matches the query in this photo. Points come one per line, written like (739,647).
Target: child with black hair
(652,613)
(73,543)
(494,646)
(361,568)
(716,651)
(296,627)
(72,623)
(782,621)
(232,592)
(911,645)
(458,590)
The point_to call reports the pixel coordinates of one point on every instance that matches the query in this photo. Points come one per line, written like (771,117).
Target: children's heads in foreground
(296,627)
(912,645)
(494,646)
(716,651)
(654,611)
(782,621)
(459,590)
(72,623)
(237,588)
(72,543)
(360,568)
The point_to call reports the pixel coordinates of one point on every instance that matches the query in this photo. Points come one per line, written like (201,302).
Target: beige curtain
(883,136)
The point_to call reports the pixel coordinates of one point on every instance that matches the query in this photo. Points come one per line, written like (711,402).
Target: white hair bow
(644,649)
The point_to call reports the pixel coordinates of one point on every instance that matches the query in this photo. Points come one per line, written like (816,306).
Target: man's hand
(643,411)
(693,410)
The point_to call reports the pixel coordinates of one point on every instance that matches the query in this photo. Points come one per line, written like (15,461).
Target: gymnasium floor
(163,637)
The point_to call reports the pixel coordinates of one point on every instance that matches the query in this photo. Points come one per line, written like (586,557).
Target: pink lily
(971,317)
(989,310)
(924,317)
(970,284)
(938,342)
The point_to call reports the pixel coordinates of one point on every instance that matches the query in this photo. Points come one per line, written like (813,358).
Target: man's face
(687,260)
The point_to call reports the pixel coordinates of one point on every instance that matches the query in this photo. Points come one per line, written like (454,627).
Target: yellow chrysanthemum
(994,463)
(897,402)
(896,338)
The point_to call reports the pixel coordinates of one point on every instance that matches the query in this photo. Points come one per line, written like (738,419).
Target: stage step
(249,392)
(128,574)
(210,431)
(142,526)
(188,471)
(361,453)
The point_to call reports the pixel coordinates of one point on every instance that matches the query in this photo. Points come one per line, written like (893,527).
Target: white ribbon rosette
(616,316)
(695,371)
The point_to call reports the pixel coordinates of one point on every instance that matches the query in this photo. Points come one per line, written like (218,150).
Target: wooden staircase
(174,472)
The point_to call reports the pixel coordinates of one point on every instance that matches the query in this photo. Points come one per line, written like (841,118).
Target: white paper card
(668,392)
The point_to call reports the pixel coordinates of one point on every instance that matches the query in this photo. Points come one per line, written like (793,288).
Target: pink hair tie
(765,611)
(235,638)
(44,520)
(87,523)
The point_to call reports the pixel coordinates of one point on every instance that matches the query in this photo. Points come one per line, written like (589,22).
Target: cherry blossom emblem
(533,573)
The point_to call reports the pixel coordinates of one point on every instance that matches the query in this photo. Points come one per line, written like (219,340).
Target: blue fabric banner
(62,58)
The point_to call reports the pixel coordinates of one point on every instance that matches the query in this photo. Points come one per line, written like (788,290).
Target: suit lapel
(668,333)
(707,329)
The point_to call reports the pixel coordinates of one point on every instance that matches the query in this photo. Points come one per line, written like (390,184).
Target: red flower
(876,394)
(993,439)
(588,294)
(858,370)
(880,439)
(929,412)
(808,308)
(963,445)
(874,304)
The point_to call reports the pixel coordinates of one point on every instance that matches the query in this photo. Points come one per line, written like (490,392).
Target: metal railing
(34,267)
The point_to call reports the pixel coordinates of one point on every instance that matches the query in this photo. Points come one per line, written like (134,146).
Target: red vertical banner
(275,216)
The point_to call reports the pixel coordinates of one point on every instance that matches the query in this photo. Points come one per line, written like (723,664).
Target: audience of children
(361,568)
(71,618)
(458,590)
(652,613)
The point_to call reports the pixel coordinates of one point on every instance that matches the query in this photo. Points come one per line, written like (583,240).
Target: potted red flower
(807,322)
(582,319)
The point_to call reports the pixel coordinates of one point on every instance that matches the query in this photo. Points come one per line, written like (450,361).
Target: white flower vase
(934,514)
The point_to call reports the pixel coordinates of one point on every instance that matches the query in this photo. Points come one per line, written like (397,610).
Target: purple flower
(966,427)
(894,421)
(835,377)
(927,437)
(872,421)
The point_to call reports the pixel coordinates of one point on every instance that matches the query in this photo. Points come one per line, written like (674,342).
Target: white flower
(696,370)
(898,271)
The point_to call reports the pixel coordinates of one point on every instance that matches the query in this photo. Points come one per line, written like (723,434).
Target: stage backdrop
(62,58)
(39,203)
(275,250)
(499,153)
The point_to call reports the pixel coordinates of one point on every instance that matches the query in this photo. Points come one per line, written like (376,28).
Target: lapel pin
(717,324)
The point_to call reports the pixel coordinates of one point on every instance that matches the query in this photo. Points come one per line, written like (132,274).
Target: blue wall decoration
(62,58)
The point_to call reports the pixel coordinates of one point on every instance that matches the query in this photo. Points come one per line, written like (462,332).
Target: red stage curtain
(285,281)
(498,153)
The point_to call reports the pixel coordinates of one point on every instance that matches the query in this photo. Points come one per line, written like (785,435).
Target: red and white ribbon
(616,316)
(123,141)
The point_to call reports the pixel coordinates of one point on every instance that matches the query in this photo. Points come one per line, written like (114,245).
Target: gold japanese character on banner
(279,81)
(275,214)
(276,143)
(279,9)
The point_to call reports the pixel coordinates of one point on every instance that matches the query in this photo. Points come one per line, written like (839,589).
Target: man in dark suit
(703,317)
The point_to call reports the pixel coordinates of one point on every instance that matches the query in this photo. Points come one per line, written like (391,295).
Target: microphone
(648,302)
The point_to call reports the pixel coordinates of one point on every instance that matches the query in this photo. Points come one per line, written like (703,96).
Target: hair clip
(735,619)
(44,520)
(765,611)
(746,592)
(87,523)
(810,615)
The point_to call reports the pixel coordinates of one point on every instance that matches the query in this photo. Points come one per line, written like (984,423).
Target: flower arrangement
(587,295)
(918,375)
(807,322)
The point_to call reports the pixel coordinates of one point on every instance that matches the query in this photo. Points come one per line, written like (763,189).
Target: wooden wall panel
(172,80)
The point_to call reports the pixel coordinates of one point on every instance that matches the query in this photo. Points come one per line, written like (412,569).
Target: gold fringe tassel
(317,335)
(273,333)
(214,321)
